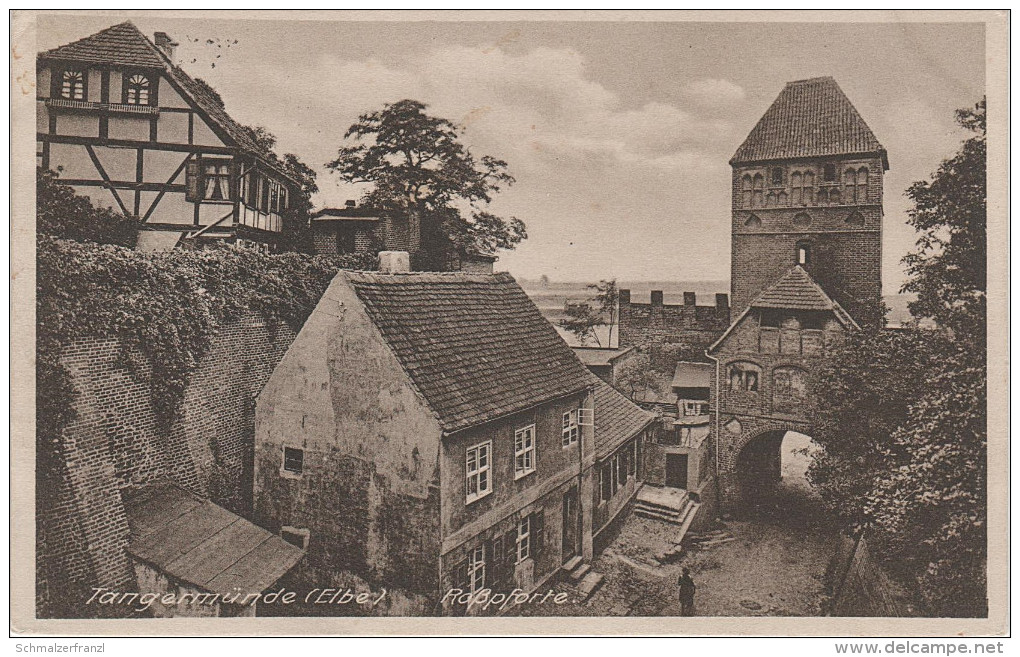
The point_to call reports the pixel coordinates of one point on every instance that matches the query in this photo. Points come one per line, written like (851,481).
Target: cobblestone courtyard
(770,564)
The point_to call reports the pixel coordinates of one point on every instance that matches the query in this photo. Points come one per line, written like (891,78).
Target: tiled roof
(796,290)
(202,544)
(600,355)
(617,419)
(125,45)
(121,44)
(474,345)
(809,118)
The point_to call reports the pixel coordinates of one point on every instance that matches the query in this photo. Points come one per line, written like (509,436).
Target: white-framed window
(524,451)
(136,89)
(570,429)
(586,417)
(72,85)
(524,539)
(476,569)
(478,467)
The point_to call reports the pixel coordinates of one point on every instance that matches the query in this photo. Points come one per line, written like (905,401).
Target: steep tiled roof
(617,419)
(121,44)
(474,345)
(796,290)
(125,45)
(809,118)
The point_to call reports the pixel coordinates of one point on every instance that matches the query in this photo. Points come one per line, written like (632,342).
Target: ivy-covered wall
(148,367)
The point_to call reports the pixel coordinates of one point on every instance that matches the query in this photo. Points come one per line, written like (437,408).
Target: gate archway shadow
(772,473)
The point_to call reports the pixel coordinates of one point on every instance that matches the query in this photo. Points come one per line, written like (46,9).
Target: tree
(420,170)
(582,320)
(948,270)
(636,375)
(903,430)
(605,299)
(60,212)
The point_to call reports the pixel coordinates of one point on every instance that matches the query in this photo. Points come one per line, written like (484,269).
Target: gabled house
(428,432)
(125,125)
(766,363)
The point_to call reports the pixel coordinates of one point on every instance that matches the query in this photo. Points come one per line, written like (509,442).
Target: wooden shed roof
(204,545)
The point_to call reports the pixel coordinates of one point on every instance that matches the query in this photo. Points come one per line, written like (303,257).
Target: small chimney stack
(167,45)
(394,262)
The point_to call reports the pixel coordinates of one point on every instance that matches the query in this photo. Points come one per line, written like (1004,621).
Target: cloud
(711,92)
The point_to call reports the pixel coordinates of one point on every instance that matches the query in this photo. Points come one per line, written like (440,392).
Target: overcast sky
(618,133)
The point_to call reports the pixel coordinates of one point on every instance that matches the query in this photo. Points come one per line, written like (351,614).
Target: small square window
(293,460)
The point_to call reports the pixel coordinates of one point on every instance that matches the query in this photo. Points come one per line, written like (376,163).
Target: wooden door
(676,470)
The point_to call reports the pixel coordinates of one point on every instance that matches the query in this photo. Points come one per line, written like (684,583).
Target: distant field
(552,297)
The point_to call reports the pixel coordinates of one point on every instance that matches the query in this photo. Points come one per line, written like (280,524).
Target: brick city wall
(117,444)
(649,326)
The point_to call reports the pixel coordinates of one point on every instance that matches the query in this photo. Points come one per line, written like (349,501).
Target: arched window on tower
(797,187)
(862,185)
(849,186)
(783,199)
(743,376)
(834,196)
(757,189)
(809,187)
(823,196)
(771,200)
(789,389)
(803,253)
(745,191)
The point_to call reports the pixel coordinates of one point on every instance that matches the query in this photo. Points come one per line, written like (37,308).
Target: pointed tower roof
(120,44)
(810,118)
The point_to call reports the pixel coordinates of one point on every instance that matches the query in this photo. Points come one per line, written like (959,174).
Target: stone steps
(587,586)
(578,573)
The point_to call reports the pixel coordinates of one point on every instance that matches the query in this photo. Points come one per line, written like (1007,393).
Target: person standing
(687,590)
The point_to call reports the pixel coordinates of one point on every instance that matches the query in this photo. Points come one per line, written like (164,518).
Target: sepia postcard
(510,322)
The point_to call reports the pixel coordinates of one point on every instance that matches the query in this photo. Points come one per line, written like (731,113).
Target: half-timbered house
(123,124)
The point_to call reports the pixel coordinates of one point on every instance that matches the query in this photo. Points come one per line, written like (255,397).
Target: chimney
(350,204)
(722,301)
(394,262)
(166,44)
(656,297)
(690,299)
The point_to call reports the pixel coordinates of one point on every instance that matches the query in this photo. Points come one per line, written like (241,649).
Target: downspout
(715,402)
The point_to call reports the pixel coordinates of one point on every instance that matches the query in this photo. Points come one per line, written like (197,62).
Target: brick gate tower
(806,267)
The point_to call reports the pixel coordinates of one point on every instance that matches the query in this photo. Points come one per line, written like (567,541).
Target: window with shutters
(478,465)
(570,428)
(524,539)
(524,451)
(72,84)
(137,89)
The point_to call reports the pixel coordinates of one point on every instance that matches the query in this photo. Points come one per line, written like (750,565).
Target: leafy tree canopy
(62,213)
(948,270)
(419,169)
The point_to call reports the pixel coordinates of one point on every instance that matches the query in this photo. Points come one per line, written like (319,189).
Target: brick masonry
(118,445)
(649,326)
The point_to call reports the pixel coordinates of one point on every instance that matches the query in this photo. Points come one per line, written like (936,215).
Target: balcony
(88,106)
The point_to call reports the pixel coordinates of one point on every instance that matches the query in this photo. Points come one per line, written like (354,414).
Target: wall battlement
(650,325)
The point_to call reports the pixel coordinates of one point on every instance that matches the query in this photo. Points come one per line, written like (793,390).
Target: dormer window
(137,89)
(72,85)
